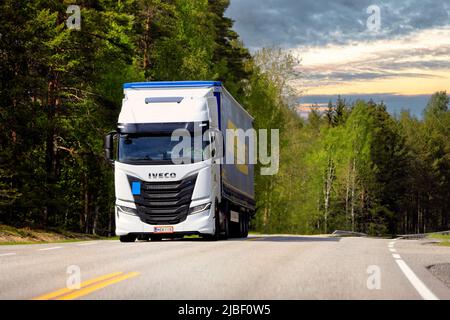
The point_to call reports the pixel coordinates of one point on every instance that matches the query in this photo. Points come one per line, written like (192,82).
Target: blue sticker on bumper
(136,188)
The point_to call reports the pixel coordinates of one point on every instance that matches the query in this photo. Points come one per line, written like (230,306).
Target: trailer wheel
(226,227)
(226,221)
(241,225)
(128,238)
(235,228)
(245,222)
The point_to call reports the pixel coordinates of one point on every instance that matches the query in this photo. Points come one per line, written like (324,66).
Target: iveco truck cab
(171,177)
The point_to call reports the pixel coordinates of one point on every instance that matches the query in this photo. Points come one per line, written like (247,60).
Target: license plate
(163,229)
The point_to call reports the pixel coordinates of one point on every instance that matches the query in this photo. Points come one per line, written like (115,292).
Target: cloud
(395,103)
(416,63)
(293,23)
(357,76)
(339,55)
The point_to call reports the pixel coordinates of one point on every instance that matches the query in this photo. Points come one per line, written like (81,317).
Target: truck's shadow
(289,239)
(268,239)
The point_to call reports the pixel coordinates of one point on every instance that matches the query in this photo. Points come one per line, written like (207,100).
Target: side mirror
(109,146)
(213,112)
(212,145)
(216,144)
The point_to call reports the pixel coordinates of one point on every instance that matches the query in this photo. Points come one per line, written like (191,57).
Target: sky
(400,56)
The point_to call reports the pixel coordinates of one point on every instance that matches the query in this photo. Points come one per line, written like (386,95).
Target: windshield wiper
(142,159)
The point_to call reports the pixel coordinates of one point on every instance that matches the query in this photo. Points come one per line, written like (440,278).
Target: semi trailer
(171,173)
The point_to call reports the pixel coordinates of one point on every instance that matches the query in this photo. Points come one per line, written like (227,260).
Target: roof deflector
(172,84)
(163,99)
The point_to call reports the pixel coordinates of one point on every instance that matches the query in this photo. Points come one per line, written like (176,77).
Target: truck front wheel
(156,238)
(127,238)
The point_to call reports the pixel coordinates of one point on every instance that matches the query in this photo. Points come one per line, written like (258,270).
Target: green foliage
(63,97)
(61,91)
(355,167)
(358,168)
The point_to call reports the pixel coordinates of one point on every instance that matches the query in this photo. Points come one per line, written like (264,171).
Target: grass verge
(10,235)
(444,239)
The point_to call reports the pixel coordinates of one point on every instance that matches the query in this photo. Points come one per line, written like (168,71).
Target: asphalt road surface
(260,267)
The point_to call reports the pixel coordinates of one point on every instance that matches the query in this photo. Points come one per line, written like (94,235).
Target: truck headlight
(200,208)
(127,210)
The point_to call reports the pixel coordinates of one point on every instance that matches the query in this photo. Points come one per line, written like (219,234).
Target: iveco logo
(162,175)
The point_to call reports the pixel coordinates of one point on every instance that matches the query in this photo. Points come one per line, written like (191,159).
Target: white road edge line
(7,254)
(86,244)
(52,248)
(396,256)
(416,282)
(392,250)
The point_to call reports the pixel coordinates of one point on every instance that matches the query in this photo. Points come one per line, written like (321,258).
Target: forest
(354,167)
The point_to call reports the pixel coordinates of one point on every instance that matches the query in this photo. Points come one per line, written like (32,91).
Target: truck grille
(165,202)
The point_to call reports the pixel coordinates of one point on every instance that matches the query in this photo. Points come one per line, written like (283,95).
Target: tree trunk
(50,149)
(110,223)
(418,215)
(96,217)
(327,192)
(269,202)
(347,195)
(362,207)
(84,214)
(147,39)
(353,194)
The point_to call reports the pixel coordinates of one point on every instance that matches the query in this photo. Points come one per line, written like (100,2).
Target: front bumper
(200,223)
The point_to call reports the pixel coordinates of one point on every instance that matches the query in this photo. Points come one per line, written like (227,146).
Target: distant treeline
(358,168)
(355,167)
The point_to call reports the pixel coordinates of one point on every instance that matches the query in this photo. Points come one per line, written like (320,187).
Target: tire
(226,228)
(240,226)
(235,227)
(127,238)
(156,238)
(226,222)
(245,222)
(209,237)
(143,237)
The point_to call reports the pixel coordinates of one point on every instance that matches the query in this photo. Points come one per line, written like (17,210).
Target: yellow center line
(87,287)
(60,292)
(87,290)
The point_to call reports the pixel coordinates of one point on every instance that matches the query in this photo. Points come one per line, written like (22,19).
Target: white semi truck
(164,190)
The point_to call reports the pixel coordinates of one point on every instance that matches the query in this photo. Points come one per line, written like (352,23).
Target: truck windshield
(158,148)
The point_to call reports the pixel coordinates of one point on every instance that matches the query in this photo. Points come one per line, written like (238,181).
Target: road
(260,267)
